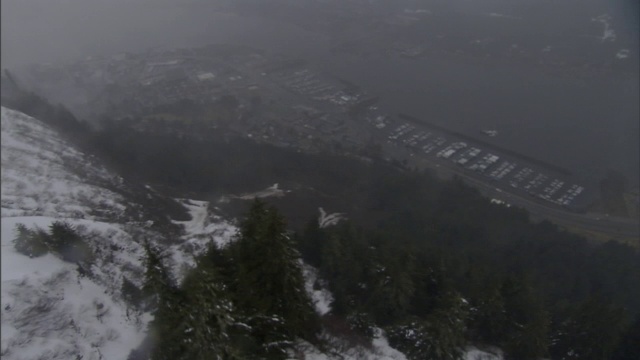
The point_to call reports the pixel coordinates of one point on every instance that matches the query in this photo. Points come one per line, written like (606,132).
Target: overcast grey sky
(53,30)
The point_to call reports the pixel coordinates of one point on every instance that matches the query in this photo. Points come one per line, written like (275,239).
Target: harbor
(503,169)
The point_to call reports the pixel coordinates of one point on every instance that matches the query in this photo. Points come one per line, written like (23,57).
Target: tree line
(248,300)
(243,301)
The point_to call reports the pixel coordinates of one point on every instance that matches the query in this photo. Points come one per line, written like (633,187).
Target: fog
(61,30)
(320,179)
(579,114)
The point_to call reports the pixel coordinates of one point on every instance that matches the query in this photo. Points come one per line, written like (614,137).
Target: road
(615,227)
(602,223)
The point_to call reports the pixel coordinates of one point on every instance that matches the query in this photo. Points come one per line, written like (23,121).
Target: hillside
(39,186)
(400,258)
(49,309)
(56,309)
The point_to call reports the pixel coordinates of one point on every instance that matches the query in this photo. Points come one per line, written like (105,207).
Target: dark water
(585,125)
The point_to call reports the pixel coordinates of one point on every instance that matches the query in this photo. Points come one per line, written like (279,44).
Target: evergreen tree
(270,286)
(412,337)
(166,300)
(198,329)
(629,346)
(131,293)
(347,265)
(222,261)
(68,243)
(431,285)
(448,326)
(489,320)
(439,337)
(528,322)
(334,266)
(362,323)
(167,343)
(189,322)
(32,243)
(157,279)
(311,243)
(392,285)
(591,330)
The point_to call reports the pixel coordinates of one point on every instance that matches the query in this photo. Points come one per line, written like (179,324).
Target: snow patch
(271,191)
(472,353)
(504,16)
(608,34)
(482,41)
(417,11)
(378,350)
(500,202)
(199,232)
(321,297)
(327,220)
(622,54)
(205,224)
(43,175)
(381,346)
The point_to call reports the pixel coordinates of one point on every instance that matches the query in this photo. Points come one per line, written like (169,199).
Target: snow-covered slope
(42,174)
(50,311)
